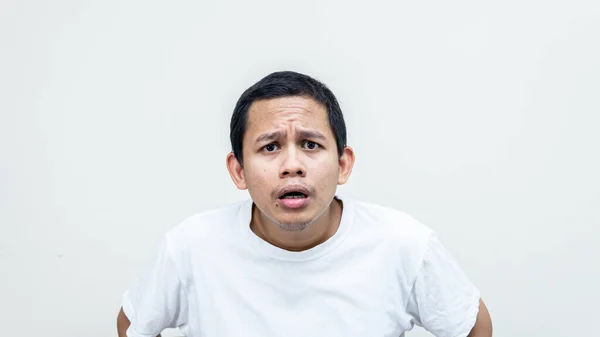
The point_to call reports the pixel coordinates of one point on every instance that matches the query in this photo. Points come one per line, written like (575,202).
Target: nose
(292,165)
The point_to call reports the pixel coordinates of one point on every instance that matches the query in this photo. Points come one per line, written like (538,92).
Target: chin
(303,218)
(293,219)
(299,227)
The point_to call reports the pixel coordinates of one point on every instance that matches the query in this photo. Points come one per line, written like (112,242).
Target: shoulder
(401,235)
(391,222)
(206,226)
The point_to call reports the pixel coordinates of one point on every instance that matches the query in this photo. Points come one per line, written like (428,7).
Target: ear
(236,171)
(346,162)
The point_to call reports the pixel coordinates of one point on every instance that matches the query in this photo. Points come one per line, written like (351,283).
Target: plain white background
(479,119)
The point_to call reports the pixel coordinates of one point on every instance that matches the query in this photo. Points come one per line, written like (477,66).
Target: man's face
(289,147)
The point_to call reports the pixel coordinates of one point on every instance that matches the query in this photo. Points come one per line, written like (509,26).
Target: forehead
(286,111)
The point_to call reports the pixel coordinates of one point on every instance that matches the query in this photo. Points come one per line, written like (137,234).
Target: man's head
(288,135)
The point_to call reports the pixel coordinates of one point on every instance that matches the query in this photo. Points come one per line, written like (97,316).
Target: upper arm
(443,300)
(123,324)
(483,325)
(157,299)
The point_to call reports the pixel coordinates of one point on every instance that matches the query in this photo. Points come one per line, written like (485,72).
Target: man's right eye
(270,147)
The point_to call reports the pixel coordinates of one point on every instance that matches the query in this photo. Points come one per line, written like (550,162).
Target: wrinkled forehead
(287,114)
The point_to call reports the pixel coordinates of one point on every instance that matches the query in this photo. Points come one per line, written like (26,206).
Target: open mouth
(293,195)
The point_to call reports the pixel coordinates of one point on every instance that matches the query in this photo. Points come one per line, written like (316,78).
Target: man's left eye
(311,145)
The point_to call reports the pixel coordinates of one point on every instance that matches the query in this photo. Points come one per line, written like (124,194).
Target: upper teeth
(293,195)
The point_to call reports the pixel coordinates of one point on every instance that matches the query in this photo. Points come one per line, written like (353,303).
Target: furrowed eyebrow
(271,136)
(311,135)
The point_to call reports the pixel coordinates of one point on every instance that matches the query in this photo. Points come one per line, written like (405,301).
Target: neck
(314,234)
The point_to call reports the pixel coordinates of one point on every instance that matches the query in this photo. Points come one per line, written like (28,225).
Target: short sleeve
(443,300)
(156,300)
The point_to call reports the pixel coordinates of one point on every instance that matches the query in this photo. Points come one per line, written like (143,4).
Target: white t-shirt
(378,275)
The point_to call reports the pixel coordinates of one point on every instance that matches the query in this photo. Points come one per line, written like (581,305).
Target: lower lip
(294,202)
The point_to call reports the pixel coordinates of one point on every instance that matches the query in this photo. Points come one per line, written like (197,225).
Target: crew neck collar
(245,217)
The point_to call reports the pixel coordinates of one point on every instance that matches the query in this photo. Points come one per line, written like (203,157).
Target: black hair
(285,84)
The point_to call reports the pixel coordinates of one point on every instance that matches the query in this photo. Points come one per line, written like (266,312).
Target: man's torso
(355,284)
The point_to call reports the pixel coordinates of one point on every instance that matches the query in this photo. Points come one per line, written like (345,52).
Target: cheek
(257,176)
(327,172)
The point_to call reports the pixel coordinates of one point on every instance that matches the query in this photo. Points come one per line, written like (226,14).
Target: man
(297,259)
